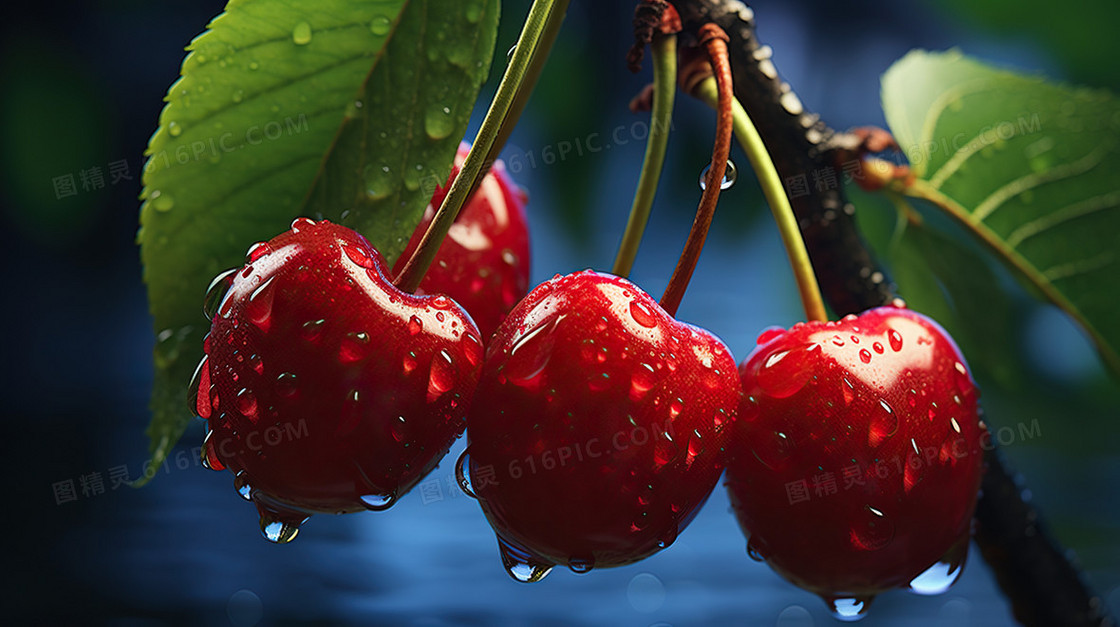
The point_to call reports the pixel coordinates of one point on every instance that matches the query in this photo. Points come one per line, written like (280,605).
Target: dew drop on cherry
(753,552)
(241,484)
(895,339)
(378,502)
(357,255)
(641,314)
(286,384)
(408,364)
(278,531)
(259,307)
(462,474)
(415,325)
(216,293)
(884,423)
(441,377)
(209,456)
(353,347)
(773,451)
(581,566)
(247,404)
(936,579)
(878,347)
(872,530)
(785,372)
(311,330)
(521,565)
(865,355)
(200,378)
(641,381)
(256,251)
(848,609)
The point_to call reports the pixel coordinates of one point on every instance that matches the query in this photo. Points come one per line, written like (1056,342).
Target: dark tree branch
(1034,572)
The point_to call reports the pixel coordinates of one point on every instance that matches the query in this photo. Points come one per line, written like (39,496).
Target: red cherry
(483,263)
(325,388)
(856,459)
(598,427)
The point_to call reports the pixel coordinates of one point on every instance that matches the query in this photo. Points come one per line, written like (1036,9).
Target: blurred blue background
(82,86)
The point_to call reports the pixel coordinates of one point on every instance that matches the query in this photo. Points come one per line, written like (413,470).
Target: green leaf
(265,112)
(1025,165)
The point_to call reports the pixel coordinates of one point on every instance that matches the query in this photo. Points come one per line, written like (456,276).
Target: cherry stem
(664,49)
(533,45)
(714,41)
(772,189)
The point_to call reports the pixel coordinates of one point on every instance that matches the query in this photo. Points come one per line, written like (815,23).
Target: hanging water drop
(848,609)
(581,566)
(521,565)
(936,579)
(462,474)
(241,483)
(280,532)
(378,502)
(730,175)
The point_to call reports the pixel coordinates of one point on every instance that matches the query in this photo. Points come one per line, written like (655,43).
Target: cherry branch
(1031,567)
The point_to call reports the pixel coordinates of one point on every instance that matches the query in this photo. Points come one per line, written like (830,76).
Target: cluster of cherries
(598,424)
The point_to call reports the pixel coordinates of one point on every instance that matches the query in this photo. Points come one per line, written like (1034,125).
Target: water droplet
(848,609)
(865,355)
(162,203)
(438,122)
(379,181)
(730,175)
(415,325)
(753,552)
(380,25)
(353,347)
(509,53)
(256,251)
(241,483)
(785,372)
(259,307)
(201,376)
(311,330)
(521,565)
(409,363)
(238,96)
(254,66)
(581,566)
(441,378)
(174,129)
(247,404)
(462,474)
(878,347)
(301,34)
(936,579)
(641,381)
(642,314)
(358,255)
(530,355)
(773,451)
(209,455)
(668,537)
(895,339)
(280,532)
(884,424)
(216,293)
(378,502)
(872,531)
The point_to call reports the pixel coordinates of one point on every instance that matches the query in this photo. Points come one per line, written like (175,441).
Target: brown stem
(714,41)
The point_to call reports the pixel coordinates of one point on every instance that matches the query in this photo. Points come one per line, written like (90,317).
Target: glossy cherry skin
(857,457)
(483,263)
(325,388)
(598,427)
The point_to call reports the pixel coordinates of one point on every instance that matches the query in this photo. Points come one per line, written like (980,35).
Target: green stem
(533,42)
(664,49)
(771,183)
